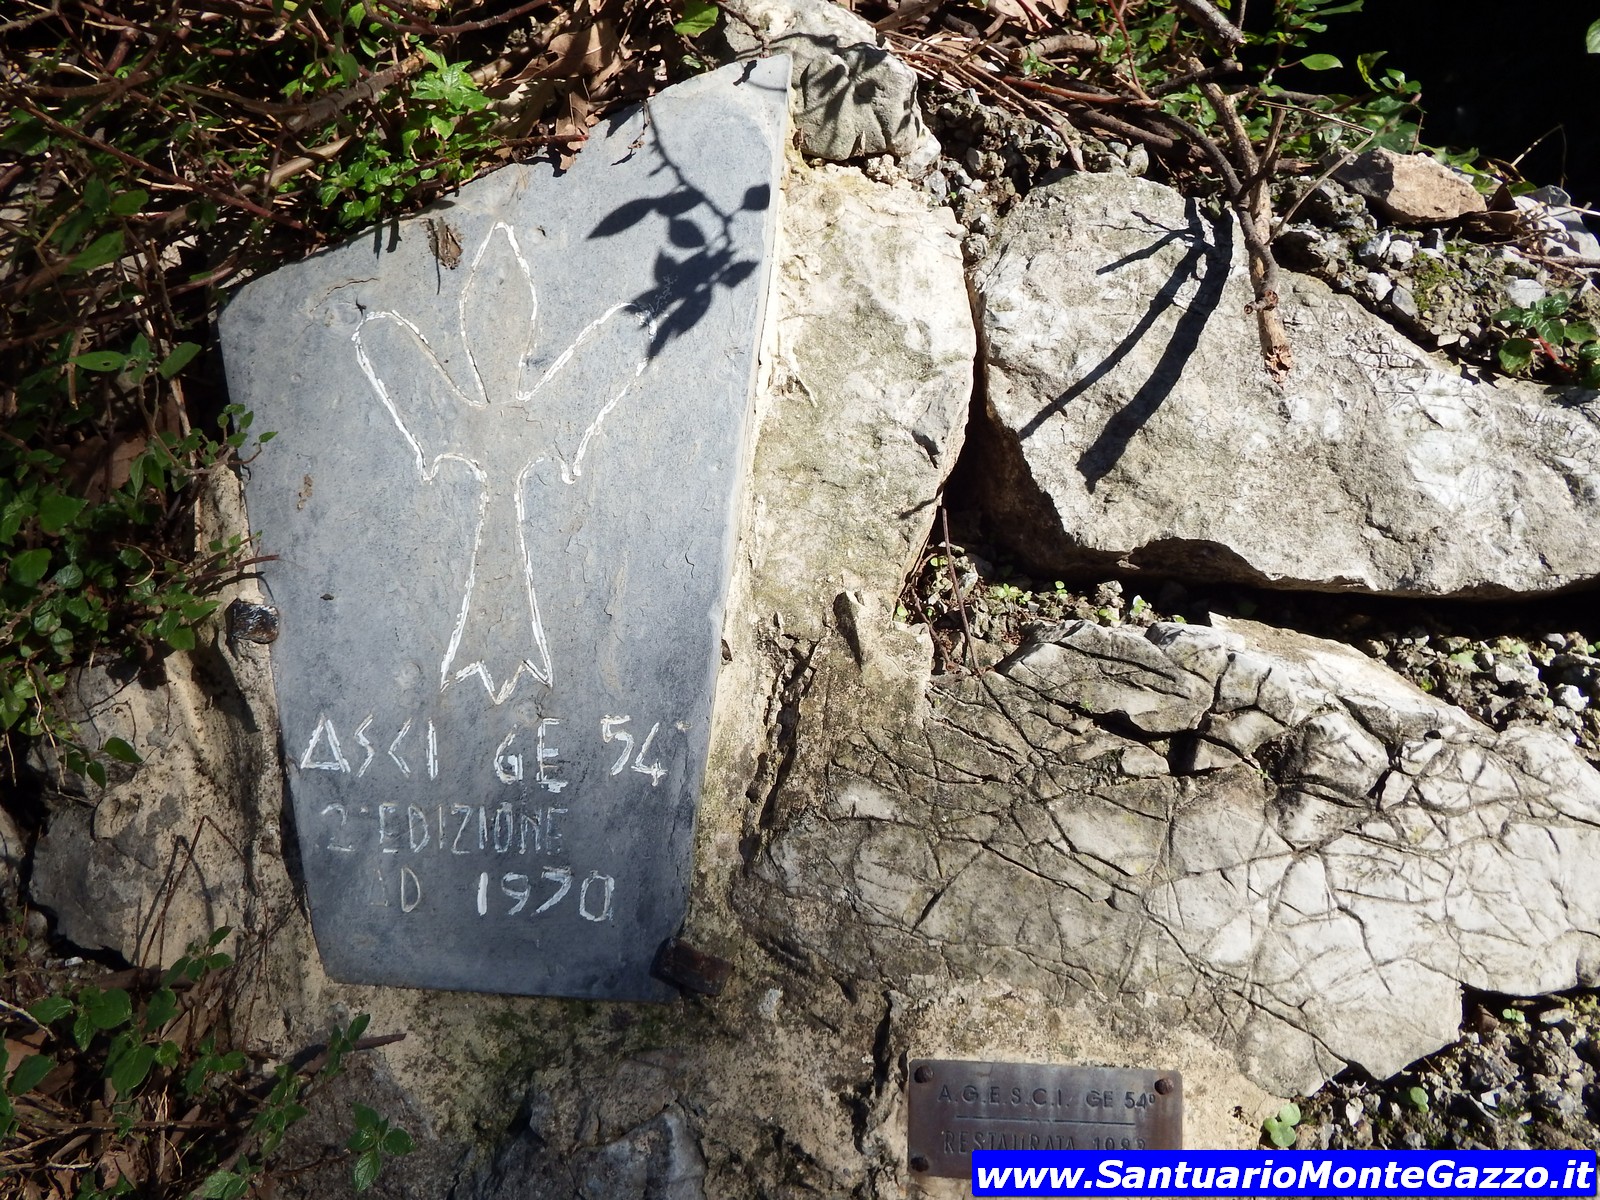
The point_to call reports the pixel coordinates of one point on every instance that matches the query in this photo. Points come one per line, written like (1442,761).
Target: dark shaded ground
(1493,75)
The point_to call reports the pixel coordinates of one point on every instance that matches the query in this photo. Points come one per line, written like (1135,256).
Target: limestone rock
(852,97)
(1413,189)
(867,384)
(1313,892)
(1133,423)
(167,852)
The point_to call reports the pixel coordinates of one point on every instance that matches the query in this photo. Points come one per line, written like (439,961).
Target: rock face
(870,381)
(174,849)
(1249,856)
(1133,423)
(1414,189)
(1255,834)
(851,96)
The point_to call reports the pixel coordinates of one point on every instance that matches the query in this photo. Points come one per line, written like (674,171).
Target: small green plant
(698,17)
(1418,1098)
(1280,1129)
(1513,1015)
(1032,66)
(442,130)
(128,1054)
(1540,333)
(373,1141)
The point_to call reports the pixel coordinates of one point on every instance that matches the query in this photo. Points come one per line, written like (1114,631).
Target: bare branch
(1215,26)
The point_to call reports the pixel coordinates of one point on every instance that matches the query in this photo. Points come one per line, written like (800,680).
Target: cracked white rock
(1319,899)
(852,97)
(1134,424)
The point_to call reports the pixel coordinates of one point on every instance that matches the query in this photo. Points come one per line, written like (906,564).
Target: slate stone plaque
(954,1108)
(504,498)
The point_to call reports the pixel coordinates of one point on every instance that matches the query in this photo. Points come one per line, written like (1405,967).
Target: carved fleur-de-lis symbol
(506,414)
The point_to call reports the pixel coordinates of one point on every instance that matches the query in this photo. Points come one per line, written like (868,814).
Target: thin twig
(221,197)
(1049,89)
(955,591)
(1342,160)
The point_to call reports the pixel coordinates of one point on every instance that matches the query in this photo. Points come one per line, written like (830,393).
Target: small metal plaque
(958,1107)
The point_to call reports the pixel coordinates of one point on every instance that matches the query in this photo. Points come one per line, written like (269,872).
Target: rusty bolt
(252,622)
(1164,1086)
(919,1163)
(922,1074)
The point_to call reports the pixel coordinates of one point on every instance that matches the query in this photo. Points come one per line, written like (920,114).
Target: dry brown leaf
(1022,12)
(582,53)
(18,1049)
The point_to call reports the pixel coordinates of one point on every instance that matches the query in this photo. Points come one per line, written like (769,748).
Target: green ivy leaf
(29,1072)
(698,16)
(50,1010)
(29,567)
(1320,62)
(182,354)
(122,752)
(1591,38)
(1551,329)
(181,638)
(130,1069)
(397,1142)
(365,1172)
(101,360)
(223,1185)
(1515,355)
(1280,1135)
(105,248)
(129,203)
(57,511)
(108,1009)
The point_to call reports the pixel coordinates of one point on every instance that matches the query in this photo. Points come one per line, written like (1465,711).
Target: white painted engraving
(394,748)
(507,767)
(546,755)
(467,651)
(561,875)
(466,819)
(343,847)
(384,832)
(409,899)
(433,752)
(608,886)
(361,740)
(324,732)
(655,769)
(519,892)
(610,731)
(413,815)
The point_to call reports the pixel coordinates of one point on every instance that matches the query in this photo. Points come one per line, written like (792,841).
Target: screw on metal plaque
(954,1108)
